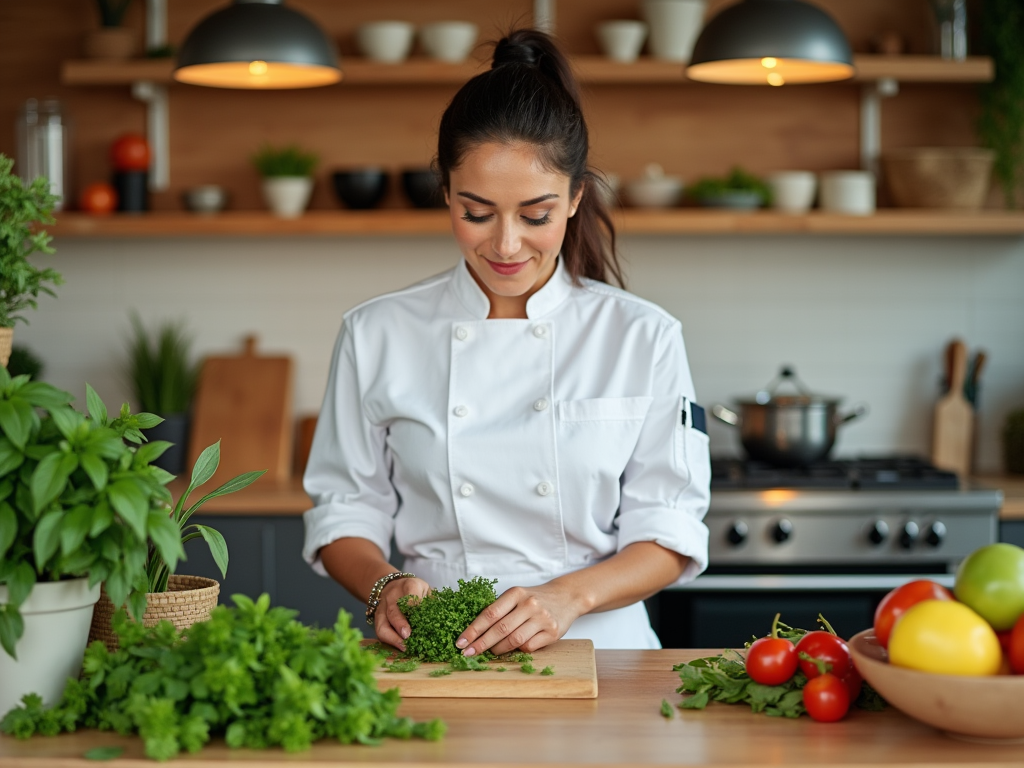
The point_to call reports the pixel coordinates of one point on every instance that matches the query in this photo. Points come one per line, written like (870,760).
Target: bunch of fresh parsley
(438,619)
(252,673)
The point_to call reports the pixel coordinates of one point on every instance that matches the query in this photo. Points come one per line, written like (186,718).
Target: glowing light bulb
(769,62)
(774,78)
(258,68)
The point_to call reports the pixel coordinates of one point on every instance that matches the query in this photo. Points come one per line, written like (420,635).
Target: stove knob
(738,532)
(909,534)
(936,533)
(879,532)
(782,530)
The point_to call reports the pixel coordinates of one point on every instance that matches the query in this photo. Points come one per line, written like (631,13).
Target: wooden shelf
(596,70)
(682,221)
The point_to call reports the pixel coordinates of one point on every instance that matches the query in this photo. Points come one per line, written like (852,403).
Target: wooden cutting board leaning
(575,677)
(245,401)
(954,417)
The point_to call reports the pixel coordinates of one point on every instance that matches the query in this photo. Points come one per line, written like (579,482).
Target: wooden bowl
(939,177)
(971,708)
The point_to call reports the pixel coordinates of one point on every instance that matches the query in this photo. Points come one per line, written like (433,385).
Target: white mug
(450,41)
(622,39)
(674,26)
(793,191)
(386,41)
(851,192)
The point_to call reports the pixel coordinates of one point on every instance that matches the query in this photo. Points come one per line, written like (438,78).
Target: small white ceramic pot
(674,26)
(449,41)
(385,41)
(622,39)
(793,191)
(57,616)
(850,192)
(287,196)
(654,189)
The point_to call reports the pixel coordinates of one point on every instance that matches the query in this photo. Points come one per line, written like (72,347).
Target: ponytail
(530,95)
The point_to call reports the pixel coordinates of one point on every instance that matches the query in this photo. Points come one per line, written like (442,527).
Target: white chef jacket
(518,449)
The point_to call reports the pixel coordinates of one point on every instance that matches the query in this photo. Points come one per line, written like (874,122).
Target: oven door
(726,609)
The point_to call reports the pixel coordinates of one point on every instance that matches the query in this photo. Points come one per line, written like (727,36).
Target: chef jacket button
(545,489)
(540,405)
(461,333)
(540,331)
(460,411)
(466,489)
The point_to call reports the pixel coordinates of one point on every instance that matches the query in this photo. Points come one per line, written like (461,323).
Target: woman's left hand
(524,618)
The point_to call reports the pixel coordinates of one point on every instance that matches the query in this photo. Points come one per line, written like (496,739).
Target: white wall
(860,317)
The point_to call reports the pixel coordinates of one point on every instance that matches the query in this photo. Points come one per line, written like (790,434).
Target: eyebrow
(523,204)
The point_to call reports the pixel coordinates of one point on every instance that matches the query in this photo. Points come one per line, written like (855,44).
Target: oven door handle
(806,583)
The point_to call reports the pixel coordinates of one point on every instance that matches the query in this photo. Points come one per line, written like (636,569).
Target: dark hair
(530,95)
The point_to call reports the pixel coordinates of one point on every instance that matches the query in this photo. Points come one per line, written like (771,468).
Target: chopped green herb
(527,668)
(469,663)
(666,710)
(441,672)
(402,665)
(548,671)
(438,619)
(103,753)
(501,669)
(516,657)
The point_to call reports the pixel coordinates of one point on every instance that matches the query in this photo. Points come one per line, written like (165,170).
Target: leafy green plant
(22,208)
(289,160)
(79,497)
(252,673)
(1001,124)
(737,180)
(162,376)
(112,11)
(439,618)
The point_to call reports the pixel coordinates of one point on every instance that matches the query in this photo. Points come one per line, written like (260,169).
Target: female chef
(516,417)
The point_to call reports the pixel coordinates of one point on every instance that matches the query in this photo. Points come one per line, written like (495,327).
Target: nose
(506,241)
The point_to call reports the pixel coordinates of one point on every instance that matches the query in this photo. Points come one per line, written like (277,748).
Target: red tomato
(853,682)
(1016,650)
(896,602)
(826,698)
(826,647)
(771,660)
(98,198)
(130,152)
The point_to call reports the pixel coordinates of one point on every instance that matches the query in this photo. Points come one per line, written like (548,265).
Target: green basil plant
(79,497)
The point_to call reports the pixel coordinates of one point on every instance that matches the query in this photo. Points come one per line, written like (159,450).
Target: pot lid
(770,394)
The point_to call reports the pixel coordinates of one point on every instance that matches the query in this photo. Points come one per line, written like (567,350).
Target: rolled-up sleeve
(666,483)
(348,473)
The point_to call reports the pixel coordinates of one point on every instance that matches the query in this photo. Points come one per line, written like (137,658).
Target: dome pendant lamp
(771,42)
(258,44)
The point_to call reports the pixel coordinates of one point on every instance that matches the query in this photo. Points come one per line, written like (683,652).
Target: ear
(574,204)
(447,200)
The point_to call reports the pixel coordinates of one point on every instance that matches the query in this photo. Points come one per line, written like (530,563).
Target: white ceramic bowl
(972,708)
(849,192)
(448,40)
(385,41)
(793,191)
(622,39)
(208,198)
(675,26)
(654,191)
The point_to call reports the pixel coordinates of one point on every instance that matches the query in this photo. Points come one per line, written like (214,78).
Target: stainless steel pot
(787,430)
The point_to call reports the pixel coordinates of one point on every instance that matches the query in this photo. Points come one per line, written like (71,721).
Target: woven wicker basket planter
(188,599)
(6,342)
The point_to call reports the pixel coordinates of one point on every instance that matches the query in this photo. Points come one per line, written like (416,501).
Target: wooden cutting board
(954,418)
(575,677)
(245,402)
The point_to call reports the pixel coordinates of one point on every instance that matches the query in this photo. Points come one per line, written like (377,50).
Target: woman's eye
(467,216)
(537,222)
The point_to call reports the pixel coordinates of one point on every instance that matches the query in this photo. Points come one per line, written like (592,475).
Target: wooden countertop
(621,727)
(1013,493)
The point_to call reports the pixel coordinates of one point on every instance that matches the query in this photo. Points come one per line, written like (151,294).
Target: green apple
(991,581)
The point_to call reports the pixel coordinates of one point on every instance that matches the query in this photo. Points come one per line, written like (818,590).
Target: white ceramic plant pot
(793,191)
(849,192)
(57,616)
(287,196)
(385,41)
(674,27)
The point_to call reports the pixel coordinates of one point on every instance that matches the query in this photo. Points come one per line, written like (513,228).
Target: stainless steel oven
(832,538)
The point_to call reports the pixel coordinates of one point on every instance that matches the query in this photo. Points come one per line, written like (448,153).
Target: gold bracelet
(378,586)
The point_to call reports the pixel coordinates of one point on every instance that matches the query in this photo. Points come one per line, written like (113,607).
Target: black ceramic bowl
(360,188)
(423,189)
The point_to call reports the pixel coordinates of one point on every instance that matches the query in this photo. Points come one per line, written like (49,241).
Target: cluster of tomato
(833,683)
(130,152)
(977,629)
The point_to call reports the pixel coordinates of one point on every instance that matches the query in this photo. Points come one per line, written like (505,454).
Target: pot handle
(724,414)
(858,412)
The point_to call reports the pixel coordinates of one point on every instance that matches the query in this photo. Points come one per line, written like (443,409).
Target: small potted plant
(81,504)
(163,379)
(287,178)
(111,40)
(738,190)
(22,209)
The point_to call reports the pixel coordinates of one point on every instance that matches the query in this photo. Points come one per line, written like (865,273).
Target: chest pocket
(596,438)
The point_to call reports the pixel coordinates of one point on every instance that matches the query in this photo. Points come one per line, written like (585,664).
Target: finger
(488,616)
(508,626)
(535,643)
(498,643)
(397,619)
(387,634)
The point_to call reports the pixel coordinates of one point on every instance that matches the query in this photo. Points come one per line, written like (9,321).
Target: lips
(503,268)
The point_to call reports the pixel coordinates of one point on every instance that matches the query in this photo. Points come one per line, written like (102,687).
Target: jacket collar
(550,295)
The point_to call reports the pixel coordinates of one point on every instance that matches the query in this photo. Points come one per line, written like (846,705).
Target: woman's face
(509,215)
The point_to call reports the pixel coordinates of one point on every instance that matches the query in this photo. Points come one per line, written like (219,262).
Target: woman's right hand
(390,624)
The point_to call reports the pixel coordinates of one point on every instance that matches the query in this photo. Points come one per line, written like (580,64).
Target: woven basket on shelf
(188,599)
(6,342)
